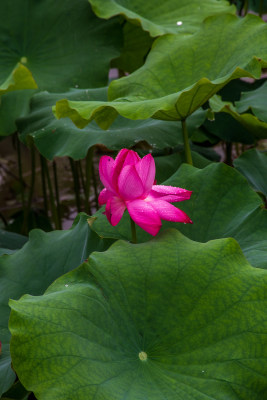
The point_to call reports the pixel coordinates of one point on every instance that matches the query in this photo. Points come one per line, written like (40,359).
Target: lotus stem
(133,229)
(246,7)
(95,186)
(57,194)
(76,183)
(51,195)
(88,175)
(261,8)
(25,225)
(20,173)
(188,155)
(44,185)
(228,158)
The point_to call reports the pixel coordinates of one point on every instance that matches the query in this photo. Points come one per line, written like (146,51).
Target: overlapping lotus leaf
(32,269)
(255,100)
(136,45)
(180,74)
(160,17)
(222,205)
(167,319)
(11,240)
(20,78)
(61,138)
(224,126)
(58,42)
(253,165)
(257,127)
(14,105)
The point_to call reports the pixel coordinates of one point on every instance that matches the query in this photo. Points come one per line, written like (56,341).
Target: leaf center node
(24,60)
(143,356)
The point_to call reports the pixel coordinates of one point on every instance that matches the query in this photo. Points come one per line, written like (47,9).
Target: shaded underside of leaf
(32,269)
(180,74)
(196,311)
(61,138)
(13,105)
(160,17)
(255,100)
(253,165)
(136,46)
(257,127)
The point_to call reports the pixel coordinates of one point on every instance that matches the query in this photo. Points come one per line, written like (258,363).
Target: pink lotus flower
(129,183)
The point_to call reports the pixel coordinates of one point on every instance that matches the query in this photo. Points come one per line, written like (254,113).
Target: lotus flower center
(24,60)
(142,355)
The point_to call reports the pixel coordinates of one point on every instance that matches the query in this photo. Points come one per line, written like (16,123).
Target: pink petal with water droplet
(145,216)
(104,195)
(106,172)
(146,170)
(169,212)
(130,186)
(115,208)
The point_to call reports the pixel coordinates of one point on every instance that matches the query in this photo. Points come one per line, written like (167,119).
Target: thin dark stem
(20,173)
(76,184)
(261,8)
(25,227)
(87,206)
(187,150)
(44,184)
(51,196)
(57,194)
(3,219)
(95,186)
(246,7)
(88,173)
(228,158)
(133,229)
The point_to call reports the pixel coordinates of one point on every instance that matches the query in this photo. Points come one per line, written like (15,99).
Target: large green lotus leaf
(32,269)
(13,105)
(255,100)
(63,44)
(181,73)
(222,205)
(136,45)
(257,127)
(253,165)
(61,138)
(169,319)
(160,17)
(18,79)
